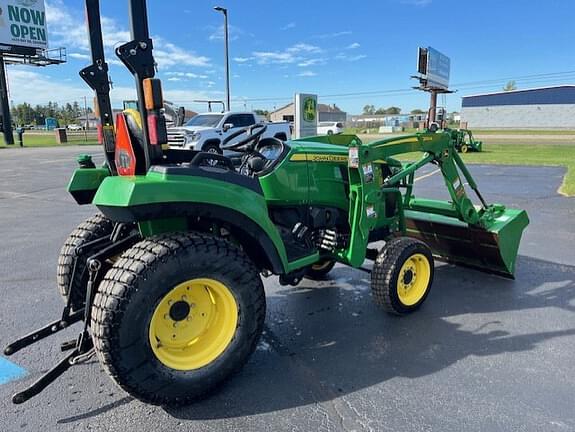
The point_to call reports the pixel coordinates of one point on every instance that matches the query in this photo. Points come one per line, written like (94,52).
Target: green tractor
(463,140)
(167,278)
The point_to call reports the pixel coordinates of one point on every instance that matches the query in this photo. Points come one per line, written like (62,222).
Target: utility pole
(227,54)
(5,104)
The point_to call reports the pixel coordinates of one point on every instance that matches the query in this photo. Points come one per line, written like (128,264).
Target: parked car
(206,131)
(75,127)
(329,128)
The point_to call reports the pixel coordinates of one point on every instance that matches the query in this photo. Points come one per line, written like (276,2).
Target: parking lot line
(10,371)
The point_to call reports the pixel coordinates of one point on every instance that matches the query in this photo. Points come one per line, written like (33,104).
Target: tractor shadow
(325,340)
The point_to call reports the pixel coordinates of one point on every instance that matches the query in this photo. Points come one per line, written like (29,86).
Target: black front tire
(320,270)
(129,296)
(389,275)
(95,227)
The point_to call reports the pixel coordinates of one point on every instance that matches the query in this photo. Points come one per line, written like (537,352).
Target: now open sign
(23,23)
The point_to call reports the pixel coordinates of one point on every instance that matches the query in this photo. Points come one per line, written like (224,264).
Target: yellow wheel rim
(413,279)
(193,324)
(464,148)
(322,265)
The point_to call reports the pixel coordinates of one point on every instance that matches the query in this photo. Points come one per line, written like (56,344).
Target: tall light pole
(227,54)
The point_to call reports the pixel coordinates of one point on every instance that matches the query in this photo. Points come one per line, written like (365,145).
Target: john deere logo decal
(309,109)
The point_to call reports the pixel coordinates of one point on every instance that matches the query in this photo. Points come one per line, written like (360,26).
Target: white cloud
(79,56)
(186,75)
(38,88)
(307,74)
(167,55)
(296,53)
(304,47)
(69,30)
(354,45)
(242,59)
(348,58)
(174,79)
(266,57)
(311,62)
(288,26)
(333,35)
(217,34)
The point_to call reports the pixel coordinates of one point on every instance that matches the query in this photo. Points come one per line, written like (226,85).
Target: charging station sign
(23,24)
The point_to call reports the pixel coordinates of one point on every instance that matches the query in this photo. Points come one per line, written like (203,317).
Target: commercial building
(539,108)
(325,113)
(387,120)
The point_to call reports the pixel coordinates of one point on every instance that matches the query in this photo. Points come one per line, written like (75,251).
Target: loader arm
(447,226)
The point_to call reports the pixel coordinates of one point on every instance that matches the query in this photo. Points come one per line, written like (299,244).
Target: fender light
(125,157)
(154,102)
(153,97)
(157,131)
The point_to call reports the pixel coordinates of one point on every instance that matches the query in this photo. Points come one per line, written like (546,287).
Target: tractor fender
(235,200)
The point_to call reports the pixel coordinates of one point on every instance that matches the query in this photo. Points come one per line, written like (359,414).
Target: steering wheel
(254,133)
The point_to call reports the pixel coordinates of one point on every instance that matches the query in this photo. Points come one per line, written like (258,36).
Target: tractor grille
(176,139)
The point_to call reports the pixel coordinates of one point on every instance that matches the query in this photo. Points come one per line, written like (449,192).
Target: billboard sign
(305,115)
(23,24)
(435,67)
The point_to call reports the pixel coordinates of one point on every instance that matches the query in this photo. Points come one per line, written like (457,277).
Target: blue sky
(331,48)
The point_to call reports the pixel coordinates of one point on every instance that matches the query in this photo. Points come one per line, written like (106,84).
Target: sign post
(5,105)
(305,115)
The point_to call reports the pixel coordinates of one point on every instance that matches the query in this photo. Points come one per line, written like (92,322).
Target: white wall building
(539,108)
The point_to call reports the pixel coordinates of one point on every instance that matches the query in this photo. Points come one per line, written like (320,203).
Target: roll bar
(137,56)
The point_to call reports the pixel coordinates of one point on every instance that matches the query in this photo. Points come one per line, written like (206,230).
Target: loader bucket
(492,250)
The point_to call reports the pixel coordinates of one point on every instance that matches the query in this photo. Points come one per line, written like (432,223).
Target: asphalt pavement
(483,353)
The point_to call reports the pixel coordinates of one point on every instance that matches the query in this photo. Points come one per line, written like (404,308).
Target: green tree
(510,86)
(369,109)
(417,111)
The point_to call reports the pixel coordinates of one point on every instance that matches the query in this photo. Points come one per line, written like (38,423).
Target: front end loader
(166,278)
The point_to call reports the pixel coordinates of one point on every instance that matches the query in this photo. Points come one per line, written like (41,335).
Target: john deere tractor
(166,278)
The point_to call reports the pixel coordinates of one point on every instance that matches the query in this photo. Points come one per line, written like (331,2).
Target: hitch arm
(46,379)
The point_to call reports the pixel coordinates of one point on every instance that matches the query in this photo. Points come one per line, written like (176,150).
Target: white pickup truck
(206,131)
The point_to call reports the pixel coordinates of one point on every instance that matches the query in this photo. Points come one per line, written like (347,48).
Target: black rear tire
(95,227)
(319,270)
(131,294)
(389,276)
